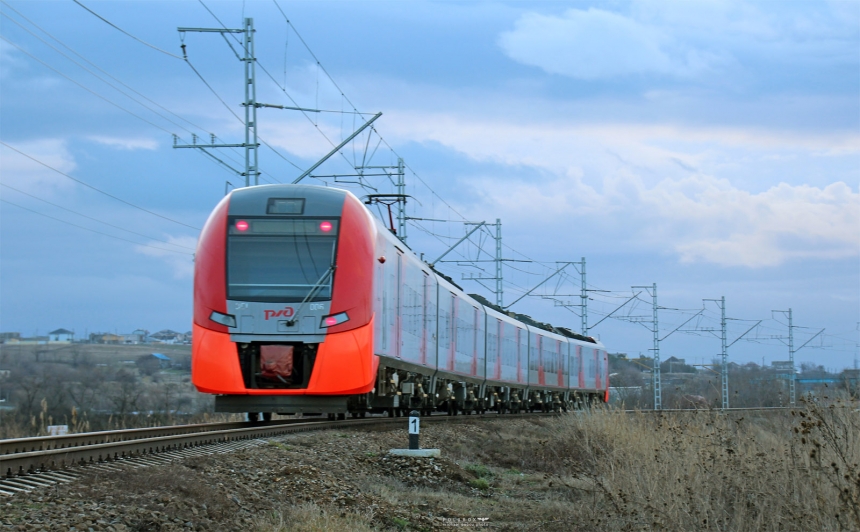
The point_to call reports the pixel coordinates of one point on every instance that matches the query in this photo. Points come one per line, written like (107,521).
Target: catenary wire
(93,230)
(95,219)
(98,189)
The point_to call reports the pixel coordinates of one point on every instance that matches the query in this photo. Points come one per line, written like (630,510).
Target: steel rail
(45,443)
(99,451)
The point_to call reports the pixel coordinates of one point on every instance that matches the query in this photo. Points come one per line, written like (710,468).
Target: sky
(710,147)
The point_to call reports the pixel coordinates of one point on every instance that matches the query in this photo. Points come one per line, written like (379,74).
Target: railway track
(31,463)
(23,460)
(25,456)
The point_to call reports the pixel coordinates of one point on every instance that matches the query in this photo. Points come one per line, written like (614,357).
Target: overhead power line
(95,219)
(93,230)
(100,191)
(111,24)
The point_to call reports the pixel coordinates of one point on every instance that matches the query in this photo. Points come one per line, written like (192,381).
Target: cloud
(125,143)
(697,193)
(181,263)
(26,174)
(687,39)
(708,220)
(597,44)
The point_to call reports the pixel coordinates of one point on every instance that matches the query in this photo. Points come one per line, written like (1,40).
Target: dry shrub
(309,517)
(706,470)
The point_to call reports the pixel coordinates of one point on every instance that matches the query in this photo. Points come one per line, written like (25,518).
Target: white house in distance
(61,336)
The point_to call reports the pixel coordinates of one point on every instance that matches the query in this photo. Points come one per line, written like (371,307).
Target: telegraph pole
(250,145)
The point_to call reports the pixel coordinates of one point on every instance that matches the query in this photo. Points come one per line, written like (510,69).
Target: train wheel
(353,415)
(253,416)
(341,417)
(267,416)
(330,417)
(364,414)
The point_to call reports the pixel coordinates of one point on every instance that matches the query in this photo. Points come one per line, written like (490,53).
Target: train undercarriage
(400,389)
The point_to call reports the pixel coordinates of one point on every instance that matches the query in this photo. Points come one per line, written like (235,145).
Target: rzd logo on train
(287,312)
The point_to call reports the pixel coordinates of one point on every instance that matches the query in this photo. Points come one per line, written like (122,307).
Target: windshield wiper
(311,294)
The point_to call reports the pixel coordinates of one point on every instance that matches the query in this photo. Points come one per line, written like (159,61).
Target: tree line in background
(91,387)
(87,389)
(750,385)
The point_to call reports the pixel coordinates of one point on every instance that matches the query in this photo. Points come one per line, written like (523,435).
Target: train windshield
(280,259)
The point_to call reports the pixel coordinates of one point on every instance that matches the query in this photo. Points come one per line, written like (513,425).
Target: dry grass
(309,517)
(707,471)
(702,470)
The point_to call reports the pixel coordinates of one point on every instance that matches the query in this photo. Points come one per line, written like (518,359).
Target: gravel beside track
(239,490)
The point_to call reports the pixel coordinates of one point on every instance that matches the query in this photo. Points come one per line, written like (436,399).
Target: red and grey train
(304,302)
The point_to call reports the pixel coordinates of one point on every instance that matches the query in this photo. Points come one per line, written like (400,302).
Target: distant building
(6,336)
(163,360)
(138,336)
(61,336)
(149,364)
(168,337)
(35,340)
(105,338)
(782,365)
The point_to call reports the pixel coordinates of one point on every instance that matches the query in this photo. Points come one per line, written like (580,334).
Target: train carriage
(304,302)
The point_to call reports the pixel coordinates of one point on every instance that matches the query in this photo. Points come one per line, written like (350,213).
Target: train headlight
(334,319)
(223,319)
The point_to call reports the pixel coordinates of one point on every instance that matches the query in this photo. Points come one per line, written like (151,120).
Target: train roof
(528,320)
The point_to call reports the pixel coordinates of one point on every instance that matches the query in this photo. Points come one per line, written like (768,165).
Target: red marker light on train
(325,227)
(242,225)
(334,319)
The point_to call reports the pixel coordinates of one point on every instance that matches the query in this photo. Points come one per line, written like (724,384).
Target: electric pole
(791,351)
(583,297)
(655,376)
(724,356)
(499,290)
(250,145)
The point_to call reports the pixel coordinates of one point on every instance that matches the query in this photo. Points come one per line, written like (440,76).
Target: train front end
(283,316)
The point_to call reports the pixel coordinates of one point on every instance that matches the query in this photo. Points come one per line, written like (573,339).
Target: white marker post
(414,450)
(414,428)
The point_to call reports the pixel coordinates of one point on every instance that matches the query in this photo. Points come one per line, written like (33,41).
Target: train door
(380,335)
(398,305)
(560,363)
(540,361)
(495,347)
(580,372)
(452,333)
(522,356)
(422,356)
